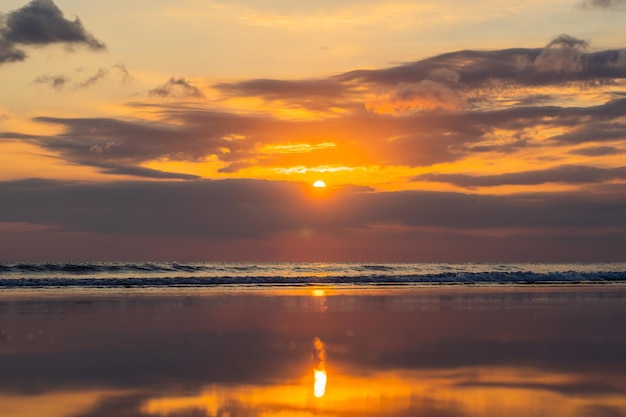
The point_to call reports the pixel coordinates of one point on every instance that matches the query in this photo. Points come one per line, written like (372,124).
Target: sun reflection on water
(319,383)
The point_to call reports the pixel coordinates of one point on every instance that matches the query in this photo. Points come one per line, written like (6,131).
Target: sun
(319,184)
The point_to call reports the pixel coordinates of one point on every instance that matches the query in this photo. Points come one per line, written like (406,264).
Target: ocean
(211,274)
(165,339)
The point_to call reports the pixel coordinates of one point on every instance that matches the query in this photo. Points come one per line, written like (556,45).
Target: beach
(432,350)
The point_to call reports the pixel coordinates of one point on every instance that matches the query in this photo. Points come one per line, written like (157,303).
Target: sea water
(175,274)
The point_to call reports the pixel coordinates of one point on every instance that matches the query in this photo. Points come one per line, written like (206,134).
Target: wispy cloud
(566,174)
(60,81)
(177,88)
(603,4)
(54,81)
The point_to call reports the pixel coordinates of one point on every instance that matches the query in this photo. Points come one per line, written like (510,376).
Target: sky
(449,131)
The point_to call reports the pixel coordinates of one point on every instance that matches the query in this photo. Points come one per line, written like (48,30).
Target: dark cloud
(60,81)
(417,114)
(406,98)
(106,142)
(120,405)
(16,135)
(597,151)
(594,132)
(204,209)
(177,88)
(564,54)
(102,72)
(563,59)
(146,172)
(194,134)
(508,148)
(599,410)
(281,89)
(38,23)
(8,52)
(452,81)
(41,22)
(566,174)
(256,209)
(534,99)
(54,81)
(319,94)
(603,4)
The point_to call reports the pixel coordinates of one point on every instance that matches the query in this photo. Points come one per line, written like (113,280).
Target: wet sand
(401,351)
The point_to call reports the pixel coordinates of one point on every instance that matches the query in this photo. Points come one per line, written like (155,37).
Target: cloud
(283,89)
(563,59)
(209,209)
(102,72)
(177,88)
(425,95)
(603,4)
(255,209)
(55,81)
(452,81)
(8,52)
(452,106)
(599,131)
(564,54)
(60,81)
(146,172)
(238,140)
(120,405)
(600,410)
(126,75)
(597,151)
(320,94)
(39,23)
(566,174)
(103,142)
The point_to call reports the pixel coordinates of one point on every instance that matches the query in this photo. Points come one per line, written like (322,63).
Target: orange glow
(319,184)
(495,391)
(319,383)
(55,404)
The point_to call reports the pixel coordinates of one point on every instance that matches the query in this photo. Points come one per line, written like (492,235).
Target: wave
(107,267)
(570,277)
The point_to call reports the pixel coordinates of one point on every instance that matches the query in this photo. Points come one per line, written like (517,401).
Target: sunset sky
(489,130)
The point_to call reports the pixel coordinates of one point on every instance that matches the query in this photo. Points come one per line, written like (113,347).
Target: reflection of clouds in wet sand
(483,392)
(451,352)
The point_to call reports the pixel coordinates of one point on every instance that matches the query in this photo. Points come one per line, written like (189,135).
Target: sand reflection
(453,353)
(515,393)
(319,368)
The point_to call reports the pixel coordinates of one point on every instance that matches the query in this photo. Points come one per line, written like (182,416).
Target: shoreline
(414,348)
(421,289)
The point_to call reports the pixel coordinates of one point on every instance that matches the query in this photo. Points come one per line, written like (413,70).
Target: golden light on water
(319,383)
(319,368)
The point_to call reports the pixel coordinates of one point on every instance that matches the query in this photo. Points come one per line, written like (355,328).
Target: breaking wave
(173,274)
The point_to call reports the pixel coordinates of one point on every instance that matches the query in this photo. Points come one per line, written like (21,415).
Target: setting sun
(319,184)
